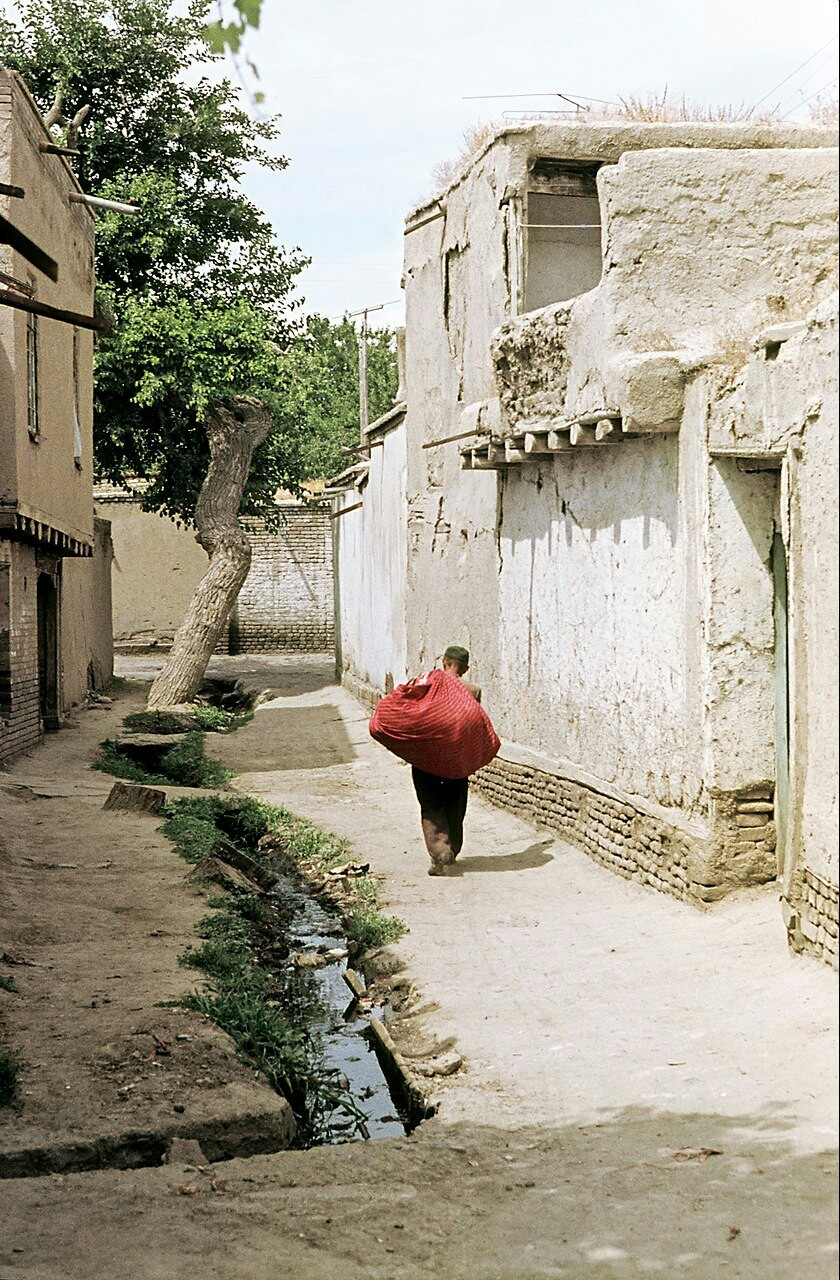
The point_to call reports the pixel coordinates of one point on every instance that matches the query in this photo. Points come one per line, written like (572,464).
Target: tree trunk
(234,429)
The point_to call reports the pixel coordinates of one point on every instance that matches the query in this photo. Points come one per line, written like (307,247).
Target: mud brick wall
(818,916)
(20,713)
(287,601)
(636,845)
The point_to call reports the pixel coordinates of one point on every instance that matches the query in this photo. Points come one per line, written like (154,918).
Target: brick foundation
(637,845)
(367,694)
(818,917)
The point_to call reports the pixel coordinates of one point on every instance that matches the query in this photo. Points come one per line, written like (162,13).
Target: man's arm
(473,689)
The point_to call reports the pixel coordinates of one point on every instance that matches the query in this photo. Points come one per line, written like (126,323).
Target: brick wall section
(367,694)
(20,723)
(818,921)
(634,844)
(287,602)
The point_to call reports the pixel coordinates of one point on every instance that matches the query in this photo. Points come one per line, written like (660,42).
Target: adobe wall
(43,480)
(617,600)
(371,560)
(87,648)
(286,602)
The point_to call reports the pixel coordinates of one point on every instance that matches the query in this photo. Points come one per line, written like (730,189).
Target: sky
(374,94)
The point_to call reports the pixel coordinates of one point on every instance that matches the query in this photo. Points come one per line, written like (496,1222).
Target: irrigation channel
(337,1022)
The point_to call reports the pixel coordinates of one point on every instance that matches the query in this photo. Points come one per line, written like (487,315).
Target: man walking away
(443,801)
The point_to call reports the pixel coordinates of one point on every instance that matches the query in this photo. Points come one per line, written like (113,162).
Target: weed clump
(183,765)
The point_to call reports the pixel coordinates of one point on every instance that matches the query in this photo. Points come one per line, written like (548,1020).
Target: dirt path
(604,1029)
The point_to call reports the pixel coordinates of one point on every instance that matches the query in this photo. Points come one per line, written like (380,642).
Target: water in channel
(336,1022)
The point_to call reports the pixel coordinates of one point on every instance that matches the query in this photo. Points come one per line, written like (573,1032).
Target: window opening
(32,396)
(562,232)
(77,430)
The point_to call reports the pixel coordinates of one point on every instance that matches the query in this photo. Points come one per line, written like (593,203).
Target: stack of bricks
(286,603)
(636,845)
(818,916)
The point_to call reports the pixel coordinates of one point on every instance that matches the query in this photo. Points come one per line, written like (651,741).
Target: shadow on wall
(597,490)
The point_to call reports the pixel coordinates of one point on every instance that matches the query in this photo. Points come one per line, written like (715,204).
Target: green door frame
(778,561)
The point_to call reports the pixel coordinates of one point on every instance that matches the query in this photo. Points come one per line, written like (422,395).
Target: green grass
(272,1033)
(183,765)
(9,1081)
(270,1018)
(210,719)
(194,825)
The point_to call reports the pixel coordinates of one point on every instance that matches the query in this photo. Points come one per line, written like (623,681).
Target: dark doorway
(48,651)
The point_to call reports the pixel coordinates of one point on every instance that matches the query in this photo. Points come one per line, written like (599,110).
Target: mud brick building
(286,602)
(54,557)
(614,480)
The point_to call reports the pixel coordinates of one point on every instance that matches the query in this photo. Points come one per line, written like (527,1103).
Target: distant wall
(286,603)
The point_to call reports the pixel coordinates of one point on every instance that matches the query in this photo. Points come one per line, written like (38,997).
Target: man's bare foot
(442,868)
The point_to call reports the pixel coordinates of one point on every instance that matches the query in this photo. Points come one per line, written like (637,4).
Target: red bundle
(436,724)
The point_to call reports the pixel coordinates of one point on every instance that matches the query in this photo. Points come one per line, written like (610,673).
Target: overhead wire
(796,96)
(796,71)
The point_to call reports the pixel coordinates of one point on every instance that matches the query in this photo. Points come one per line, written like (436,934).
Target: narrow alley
(646,1087)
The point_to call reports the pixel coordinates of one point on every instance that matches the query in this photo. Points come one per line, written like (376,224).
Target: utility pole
(363,379)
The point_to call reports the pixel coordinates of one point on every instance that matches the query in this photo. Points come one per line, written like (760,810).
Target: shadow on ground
(535,855)
(281,738)
(639,1194)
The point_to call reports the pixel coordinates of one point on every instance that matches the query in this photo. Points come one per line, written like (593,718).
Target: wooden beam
(12,282)
(53,149)
(10,299)
(354,506)
(10,235)
(558,441)
(536,442)
(6,189)
(462,435)
(96,202)
(581,435)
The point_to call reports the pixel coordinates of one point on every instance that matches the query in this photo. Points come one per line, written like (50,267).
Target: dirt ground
(647,1089)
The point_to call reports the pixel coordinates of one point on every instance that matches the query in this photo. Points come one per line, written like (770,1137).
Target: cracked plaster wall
(370,556)
(785,402)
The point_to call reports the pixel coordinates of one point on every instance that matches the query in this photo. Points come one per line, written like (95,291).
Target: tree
(324,389)
(197,289)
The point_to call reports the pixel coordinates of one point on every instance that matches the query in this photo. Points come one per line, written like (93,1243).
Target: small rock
(184,1151)
(308,960)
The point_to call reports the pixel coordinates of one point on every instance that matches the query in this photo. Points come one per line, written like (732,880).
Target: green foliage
(111,760)
(373,929)
(210,719)
(193,837)
(227,31)
(156,722)
(9,1081)
(196,283)
(182,765)
(268,1020)
(8,983)
(323,389)
(186,765)
(215,720)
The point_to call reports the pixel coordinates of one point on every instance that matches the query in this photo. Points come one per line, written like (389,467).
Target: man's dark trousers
(443,804)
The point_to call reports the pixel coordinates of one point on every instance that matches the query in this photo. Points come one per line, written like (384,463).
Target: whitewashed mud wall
(370,557)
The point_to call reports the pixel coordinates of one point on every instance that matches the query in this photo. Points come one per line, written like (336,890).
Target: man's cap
(456,654)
